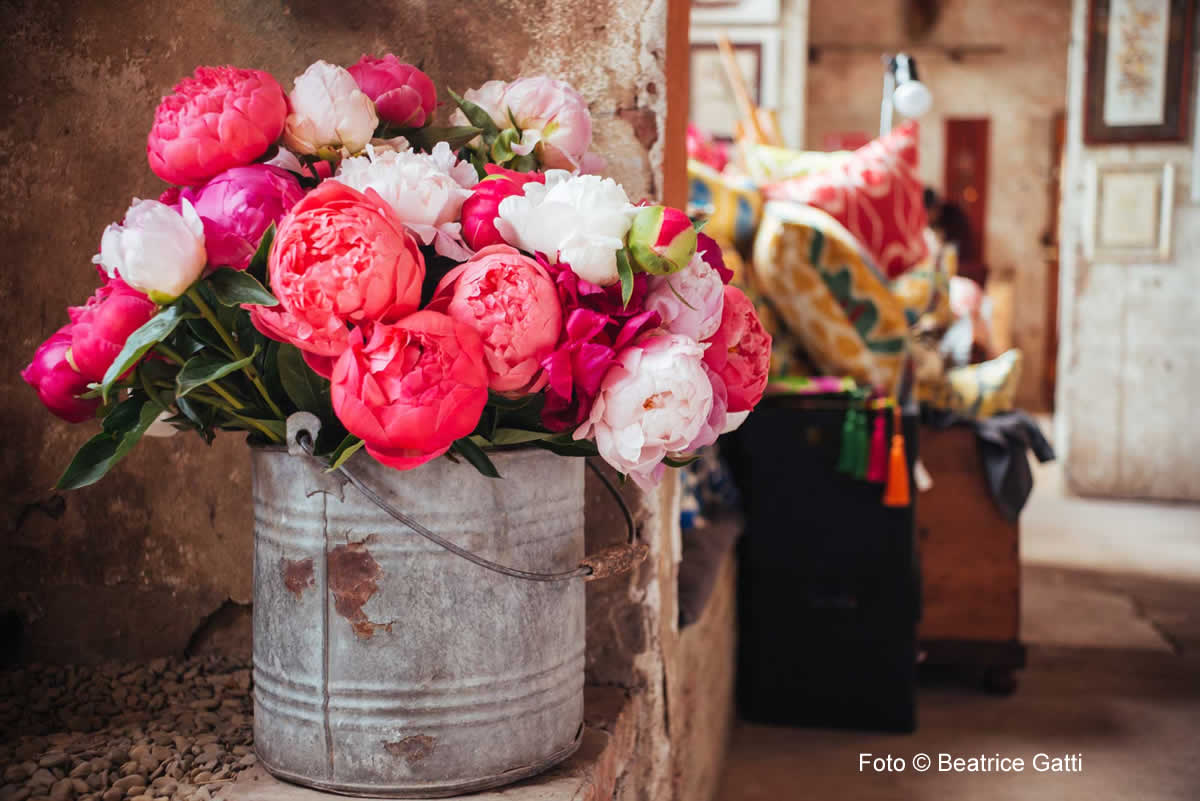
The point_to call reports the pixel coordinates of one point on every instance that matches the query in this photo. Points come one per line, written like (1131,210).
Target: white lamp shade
(912,98)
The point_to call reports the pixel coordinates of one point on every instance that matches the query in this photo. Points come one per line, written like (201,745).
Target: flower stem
(238,354)
(232,414)
(171,354)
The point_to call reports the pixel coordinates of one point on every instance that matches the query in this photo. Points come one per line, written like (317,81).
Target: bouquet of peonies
(424,290)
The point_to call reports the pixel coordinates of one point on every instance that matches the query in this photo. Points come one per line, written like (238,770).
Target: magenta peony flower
(101,326)
(236,208)
(481,209)
(58,383)
(740,352)
(655,401)
(412,388)
(221,117)
(710,251)
(340,258)
(511,302)
(404,96)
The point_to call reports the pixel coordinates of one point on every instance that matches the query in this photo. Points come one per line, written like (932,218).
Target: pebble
(62,790)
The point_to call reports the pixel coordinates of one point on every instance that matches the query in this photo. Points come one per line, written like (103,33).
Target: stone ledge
(610,732)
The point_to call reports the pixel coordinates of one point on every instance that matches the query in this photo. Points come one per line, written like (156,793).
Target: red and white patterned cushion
(876,195)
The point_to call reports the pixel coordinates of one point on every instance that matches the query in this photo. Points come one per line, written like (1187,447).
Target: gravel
(165,730)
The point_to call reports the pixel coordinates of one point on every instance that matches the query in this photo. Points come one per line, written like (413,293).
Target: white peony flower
(657,400)
(156,249)
(426,190)
(734,420)
(328,110)
(577,219)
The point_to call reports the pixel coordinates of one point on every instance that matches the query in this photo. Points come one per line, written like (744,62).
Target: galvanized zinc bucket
(385,664)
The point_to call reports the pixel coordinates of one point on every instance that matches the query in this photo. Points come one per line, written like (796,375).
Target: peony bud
(156,250)
(328,110)
(662,240)
(101,327)
(404,96)
(58,383)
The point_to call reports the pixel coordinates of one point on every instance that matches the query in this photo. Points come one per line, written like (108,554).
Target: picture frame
(735,12)
(713,107)
(1131,207)
(1139,66)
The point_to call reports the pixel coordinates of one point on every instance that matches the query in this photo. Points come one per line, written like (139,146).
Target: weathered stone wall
(1129,364)
(132,567)
(1005,61)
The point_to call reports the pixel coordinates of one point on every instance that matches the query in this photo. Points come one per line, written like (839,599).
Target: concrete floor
(1111,616)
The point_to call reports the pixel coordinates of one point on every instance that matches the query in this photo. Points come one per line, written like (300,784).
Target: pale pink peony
(404,96)
(221,117)
(328,111)
(340,258)
(657,400)
(689,301)
(554,122)
(740,351)
(412,388)
(512,303)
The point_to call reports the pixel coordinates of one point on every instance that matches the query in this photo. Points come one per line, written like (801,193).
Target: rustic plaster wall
(1129,363)
(132,567)
(1018,80)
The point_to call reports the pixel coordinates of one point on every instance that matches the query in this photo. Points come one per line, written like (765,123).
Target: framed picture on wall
(1139,64)
(1131,210)
(713,106)
(735,12)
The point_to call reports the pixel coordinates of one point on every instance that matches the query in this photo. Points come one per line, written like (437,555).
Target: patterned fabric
(925,289)
(731,206)
(876,195)
(826,291)
(708,491)
(977,391)
(767,164)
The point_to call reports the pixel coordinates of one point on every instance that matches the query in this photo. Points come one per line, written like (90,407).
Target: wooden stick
(738,83)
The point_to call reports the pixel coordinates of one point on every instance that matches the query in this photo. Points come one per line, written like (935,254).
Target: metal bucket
(387,665)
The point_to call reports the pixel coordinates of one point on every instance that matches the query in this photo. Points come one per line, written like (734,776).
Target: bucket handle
(302,429)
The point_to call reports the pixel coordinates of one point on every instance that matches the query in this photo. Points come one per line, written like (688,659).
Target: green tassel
(861,445)
(846,457)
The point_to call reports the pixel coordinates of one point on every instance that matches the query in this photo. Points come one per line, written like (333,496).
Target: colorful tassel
(861,451)
(896,493)
(877,464)
(846,455)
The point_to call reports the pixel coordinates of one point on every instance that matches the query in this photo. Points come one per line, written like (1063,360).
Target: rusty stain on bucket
(413,749)
(297,575)
(353,578)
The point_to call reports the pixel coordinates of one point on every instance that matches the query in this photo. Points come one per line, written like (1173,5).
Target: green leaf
(625,271)
(524,163)
(564,445)
(455,136)
(502,151)
(235,287)
(475,455)
(350,446)
(204,369)
(122,429)
(477,117)
(155,330)
(305,388)
(516,436)
(671,462)
(255,425)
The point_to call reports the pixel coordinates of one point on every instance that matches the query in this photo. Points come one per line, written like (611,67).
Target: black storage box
(829,582)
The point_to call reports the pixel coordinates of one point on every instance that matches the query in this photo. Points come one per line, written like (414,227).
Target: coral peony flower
(340,257)
(327,109)
(56,382)
(236,208)
(156,249)
(710,251)
(512,303)
(554,122)
(101,326)
(740,352)
(689,301)
(578,219)
(656,400)
(426,190)
(412,388)
(480,210)
(221,117)
(404,96)
(662,240)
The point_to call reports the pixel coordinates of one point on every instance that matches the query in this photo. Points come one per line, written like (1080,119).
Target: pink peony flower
(511,302)
(412,388)
(740,352)
(56,382)
(480,211)
(404,96)
(236,208)
(554,122)
(100,327)
(656,400)
(710,251)
(339,258)
(718,419)
(328,111)
(221,117)
(689,301)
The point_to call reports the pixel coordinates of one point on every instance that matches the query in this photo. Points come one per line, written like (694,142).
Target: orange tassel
(877,464)
(897,493)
